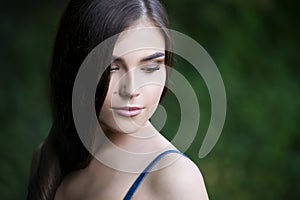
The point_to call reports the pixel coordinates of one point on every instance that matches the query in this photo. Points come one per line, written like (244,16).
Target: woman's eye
(150,68)
(114,68)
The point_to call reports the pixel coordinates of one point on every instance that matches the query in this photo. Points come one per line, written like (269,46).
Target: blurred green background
(255,44)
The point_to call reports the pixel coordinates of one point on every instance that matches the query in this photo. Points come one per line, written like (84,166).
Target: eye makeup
(150,67)
(114,68)
(148,64)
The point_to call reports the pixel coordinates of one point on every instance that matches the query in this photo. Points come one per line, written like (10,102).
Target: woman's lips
(128,111)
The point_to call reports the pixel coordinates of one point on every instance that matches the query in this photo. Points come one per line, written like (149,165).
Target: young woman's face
(137,79)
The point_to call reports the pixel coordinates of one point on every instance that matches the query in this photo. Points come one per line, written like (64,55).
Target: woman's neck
(145,139)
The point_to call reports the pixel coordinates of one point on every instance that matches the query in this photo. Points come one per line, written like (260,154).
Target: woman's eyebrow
(117,59)
(153,56)
(150,57)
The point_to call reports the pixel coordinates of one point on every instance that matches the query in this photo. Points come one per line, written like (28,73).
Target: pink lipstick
(128,111)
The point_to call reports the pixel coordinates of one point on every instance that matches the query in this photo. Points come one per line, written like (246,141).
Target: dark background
(255,44)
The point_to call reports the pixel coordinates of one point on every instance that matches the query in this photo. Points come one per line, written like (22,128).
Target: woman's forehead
(138,37)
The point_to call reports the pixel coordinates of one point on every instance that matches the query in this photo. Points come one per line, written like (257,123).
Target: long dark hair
(84,24)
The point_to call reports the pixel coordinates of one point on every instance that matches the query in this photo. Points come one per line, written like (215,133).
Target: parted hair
(84,25)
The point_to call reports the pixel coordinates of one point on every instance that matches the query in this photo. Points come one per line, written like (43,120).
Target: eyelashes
(114,68)
(151,68)
(146,68)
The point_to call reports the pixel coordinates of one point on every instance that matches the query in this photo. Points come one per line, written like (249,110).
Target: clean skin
(137,81)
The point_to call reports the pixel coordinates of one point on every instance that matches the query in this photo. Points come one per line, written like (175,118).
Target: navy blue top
(142,176)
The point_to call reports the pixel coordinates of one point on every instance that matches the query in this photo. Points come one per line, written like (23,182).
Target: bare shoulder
(180,180)
(76,185)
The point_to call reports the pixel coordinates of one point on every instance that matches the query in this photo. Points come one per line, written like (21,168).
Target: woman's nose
(128,85)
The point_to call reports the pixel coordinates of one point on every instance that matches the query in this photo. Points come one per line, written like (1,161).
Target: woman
(126,97)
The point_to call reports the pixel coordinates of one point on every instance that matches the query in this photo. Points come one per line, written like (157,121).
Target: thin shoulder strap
(142,176)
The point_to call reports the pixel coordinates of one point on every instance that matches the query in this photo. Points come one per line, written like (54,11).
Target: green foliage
(254,44)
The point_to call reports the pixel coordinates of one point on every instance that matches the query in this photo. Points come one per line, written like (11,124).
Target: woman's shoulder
(75,185)
(181,179)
